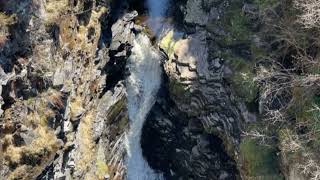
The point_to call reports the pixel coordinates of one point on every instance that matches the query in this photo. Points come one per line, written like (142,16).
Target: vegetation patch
(237,26)
(168,43)
(242,78)
(30,159)
(102,169)
(86,143)
(54,10)
(263,4)
(259,161)
(5,21)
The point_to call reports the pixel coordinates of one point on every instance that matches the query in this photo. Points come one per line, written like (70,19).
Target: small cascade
(157,16)
(142,87)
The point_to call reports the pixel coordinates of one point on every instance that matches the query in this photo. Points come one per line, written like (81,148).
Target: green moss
(259,161)
(257,52)
(101,169)
(116,109)
(237,25)
(168,43)
(176,88)
(242,79)
(263,4)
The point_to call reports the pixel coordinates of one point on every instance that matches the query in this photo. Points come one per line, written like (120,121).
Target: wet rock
(203,137)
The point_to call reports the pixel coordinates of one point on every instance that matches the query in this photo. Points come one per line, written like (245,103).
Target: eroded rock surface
(196,120)
(63,102)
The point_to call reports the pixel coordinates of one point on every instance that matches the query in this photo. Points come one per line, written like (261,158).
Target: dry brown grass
(76,107)
(86,143)
(310,13)
(54,10)
(5,21)
(42,149)
(56,99)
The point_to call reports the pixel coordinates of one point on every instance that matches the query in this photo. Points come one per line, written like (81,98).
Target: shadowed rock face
(194,122)
(193,131)
(180,147)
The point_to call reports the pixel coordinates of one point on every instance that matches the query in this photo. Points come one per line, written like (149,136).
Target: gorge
(159,90)
(142,88)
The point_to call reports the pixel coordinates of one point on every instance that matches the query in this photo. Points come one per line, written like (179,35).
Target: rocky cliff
(64,113)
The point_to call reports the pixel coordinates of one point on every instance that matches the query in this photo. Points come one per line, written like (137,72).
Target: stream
(142,87)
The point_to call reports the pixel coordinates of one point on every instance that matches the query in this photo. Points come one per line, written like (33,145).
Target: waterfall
(142,87)
(157,8)
(157,15)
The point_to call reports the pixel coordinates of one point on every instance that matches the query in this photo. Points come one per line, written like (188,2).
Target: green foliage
(236,23)
(242,79)
(168,43)
(101,169)
(263,4)
(315,120)
(176,88)
(257,52)
(259,161)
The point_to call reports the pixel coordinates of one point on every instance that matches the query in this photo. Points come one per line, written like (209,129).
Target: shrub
(259,160)
(310,13)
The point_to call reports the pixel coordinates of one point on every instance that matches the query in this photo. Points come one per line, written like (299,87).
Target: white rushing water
(157,15)
(142,87)
(157,8)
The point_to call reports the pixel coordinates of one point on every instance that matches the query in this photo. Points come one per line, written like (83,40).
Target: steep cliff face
(196,120)
(64,103)
(64,97)
(81,88)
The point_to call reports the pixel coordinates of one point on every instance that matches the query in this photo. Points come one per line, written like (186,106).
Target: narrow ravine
(142,86)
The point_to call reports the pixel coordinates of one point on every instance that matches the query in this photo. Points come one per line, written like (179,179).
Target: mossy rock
(178,90)
(242,80)
(101,169)
(168,43)
(259,161)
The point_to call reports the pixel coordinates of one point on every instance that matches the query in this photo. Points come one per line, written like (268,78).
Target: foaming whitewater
(142,87)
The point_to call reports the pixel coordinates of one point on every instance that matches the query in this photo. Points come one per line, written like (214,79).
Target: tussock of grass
(54,9)
(81,37)
(30,159)
(76,107)
(86,143)
(55,99)
(5,21)
(43,107)
(259,161)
